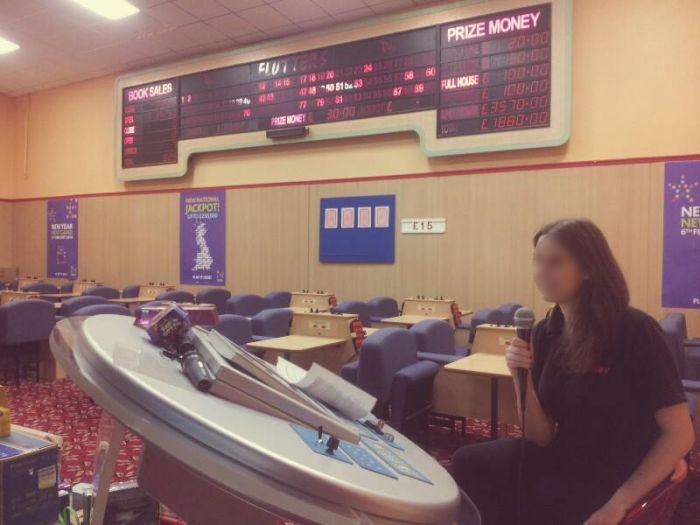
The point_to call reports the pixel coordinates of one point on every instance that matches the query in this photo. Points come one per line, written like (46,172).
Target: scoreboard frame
(423,123)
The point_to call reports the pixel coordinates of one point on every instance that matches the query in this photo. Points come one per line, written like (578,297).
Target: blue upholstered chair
(506,312)
(130,291)
(279,299)
(24,325)
(103,291)
(100,309)
(40,288)
(13,285)
(388,368)
(179,296)
(382,308)
(246,305)
(238,329)
(215,296)
(435,341)
(674,327)
(362,310)
(271,322)
(70,306)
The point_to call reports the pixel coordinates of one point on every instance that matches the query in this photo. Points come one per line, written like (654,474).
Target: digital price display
(149,124)
(495,73)
(477,75)
(368,78)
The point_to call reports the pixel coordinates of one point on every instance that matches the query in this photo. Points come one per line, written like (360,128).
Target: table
(132,300)
(410,320)
(241,462)
(58,296)
(489,365)
(291,344)
(7,296)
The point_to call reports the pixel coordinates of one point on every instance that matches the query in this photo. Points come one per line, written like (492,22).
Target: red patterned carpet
(62,408)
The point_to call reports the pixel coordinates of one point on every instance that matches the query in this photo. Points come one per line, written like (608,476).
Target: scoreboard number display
(497,80)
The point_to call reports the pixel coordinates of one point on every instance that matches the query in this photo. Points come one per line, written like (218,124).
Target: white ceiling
(63,43)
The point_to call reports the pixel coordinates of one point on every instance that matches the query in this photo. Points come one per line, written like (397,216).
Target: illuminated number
(358,83)
(430,71)
(320,102)
(302,104)
(129,119)
(408,75)
(397,91)
(339,99)
(419,88)
(368,68)
(246,113)
(262,86)
(303,92)
(128,140)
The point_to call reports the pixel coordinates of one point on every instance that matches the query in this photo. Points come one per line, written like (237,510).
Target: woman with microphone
(606,418)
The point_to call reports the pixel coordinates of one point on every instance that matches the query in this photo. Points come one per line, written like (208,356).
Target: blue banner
(203,237)
(62,238)
(681,270)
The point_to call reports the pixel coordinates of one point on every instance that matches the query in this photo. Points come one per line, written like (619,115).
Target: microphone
(170,330)
(523,320)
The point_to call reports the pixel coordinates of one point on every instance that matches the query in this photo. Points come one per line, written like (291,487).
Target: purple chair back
(674,328)
(506,312)
(279,299)
(273,322)
(69,306)
(26,321)
(246,305)
(179,296)
(434,336)
(131,291)
(236,328)
(383,307)
(362,310)
(215,296)
(40,288)
(102,291)
(383,354)
(482,316)
(99,309)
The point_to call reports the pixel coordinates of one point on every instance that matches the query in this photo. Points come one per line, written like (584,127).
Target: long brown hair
(590,335)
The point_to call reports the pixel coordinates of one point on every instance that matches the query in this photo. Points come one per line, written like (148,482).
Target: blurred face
(557,274)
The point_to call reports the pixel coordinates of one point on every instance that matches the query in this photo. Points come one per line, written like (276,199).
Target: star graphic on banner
(683,189)
(52,215)
(71,208)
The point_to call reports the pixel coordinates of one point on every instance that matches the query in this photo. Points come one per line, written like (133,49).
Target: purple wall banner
(203,237)
(681,270)
(62,238)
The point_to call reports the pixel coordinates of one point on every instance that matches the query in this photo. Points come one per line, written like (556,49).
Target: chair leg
(17,369)
(37,360)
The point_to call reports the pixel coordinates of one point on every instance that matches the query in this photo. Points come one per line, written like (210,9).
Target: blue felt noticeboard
(358,229)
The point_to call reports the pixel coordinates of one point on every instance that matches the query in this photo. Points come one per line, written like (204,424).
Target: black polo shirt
(605,418)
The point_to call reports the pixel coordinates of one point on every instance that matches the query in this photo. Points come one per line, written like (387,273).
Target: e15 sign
(425,226)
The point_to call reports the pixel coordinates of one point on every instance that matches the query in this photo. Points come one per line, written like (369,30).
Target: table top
(296,343)
(59,296)
(255,456)
(410,320)
(483,364)
(131,300)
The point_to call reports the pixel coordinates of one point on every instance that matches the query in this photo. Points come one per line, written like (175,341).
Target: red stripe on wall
(398,176)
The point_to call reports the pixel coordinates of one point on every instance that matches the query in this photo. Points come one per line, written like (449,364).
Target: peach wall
(634,95)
